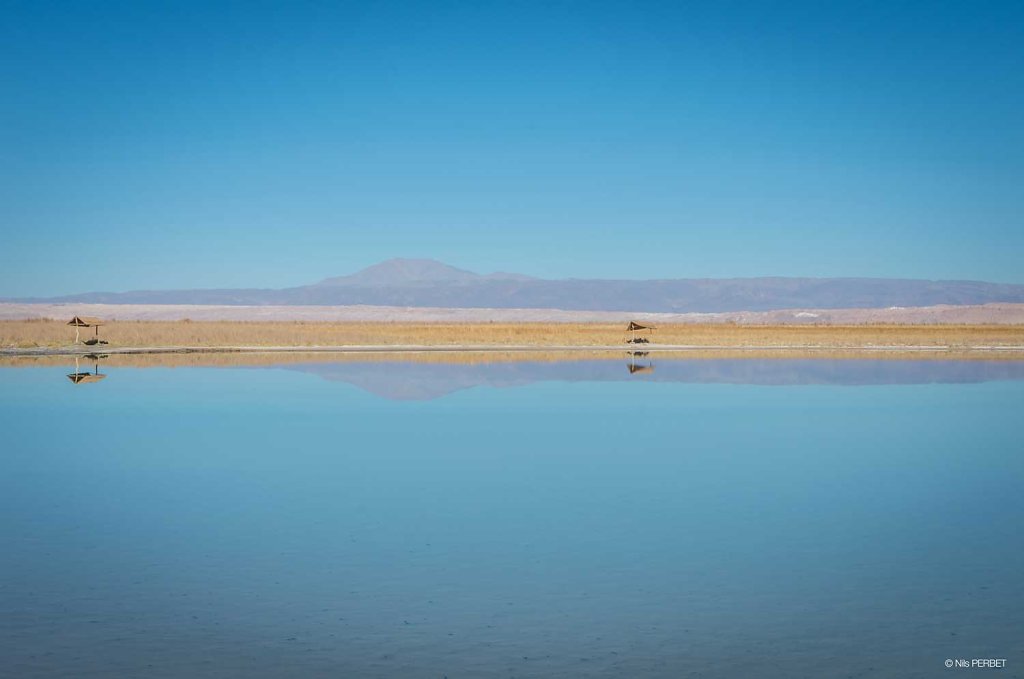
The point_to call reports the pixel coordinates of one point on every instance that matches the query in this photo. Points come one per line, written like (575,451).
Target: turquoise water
(711,519)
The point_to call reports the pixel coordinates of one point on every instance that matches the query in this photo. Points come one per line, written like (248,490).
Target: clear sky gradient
(176,145)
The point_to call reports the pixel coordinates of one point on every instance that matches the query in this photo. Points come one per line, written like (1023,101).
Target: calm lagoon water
(707,519)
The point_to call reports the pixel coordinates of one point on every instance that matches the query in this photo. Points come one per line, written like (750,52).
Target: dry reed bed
(51,333)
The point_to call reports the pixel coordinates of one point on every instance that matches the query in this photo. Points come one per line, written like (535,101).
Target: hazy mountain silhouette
(427,283)
(415,272)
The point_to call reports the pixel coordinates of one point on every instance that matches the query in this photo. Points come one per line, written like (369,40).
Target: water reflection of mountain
(406,380)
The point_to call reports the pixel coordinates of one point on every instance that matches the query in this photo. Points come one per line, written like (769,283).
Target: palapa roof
(86,321)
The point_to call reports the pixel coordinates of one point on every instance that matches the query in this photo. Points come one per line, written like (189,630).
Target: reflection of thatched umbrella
(79,377)
(634,368)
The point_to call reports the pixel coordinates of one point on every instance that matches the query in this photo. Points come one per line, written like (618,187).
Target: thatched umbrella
(633,327)
(86,322)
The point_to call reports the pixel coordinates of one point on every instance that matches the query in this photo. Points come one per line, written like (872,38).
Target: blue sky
(177,145)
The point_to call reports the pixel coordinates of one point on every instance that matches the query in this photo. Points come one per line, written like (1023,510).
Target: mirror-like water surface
(705,518)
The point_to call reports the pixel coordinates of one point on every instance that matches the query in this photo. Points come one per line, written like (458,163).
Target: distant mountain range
(428,283)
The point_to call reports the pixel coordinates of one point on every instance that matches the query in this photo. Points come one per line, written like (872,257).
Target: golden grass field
(55,334)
